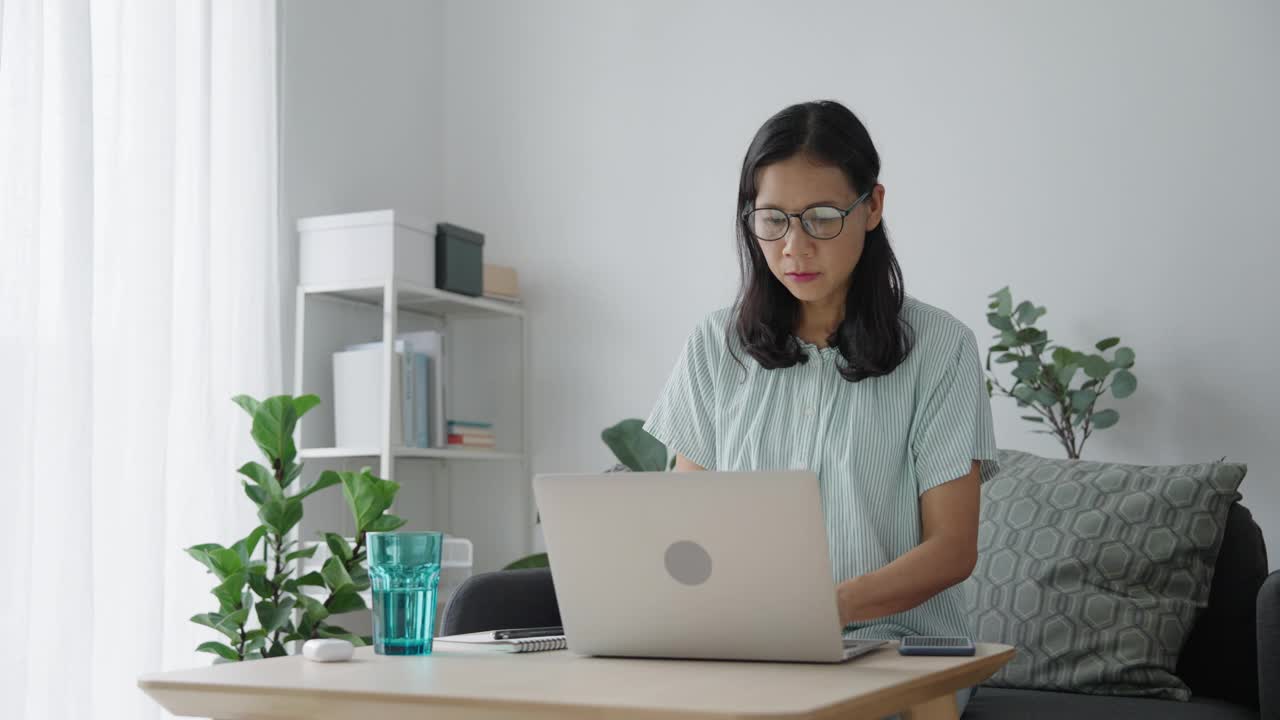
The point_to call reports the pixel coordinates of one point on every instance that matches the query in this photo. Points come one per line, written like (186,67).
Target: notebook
(484,642)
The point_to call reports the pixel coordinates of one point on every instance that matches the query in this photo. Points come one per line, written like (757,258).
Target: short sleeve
(954,425)
(684,417)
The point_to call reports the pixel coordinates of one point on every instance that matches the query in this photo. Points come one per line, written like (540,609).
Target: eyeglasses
(822,222)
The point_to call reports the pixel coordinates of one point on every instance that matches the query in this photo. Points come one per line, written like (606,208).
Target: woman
(823,363)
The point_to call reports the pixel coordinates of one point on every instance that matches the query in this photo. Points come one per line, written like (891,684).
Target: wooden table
(560,684)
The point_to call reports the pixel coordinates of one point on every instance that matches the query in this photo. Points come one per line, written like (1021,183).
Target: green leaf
(280,515)
(312,578)
(219,622)
(1027,370)
(328,478)
(249,404)
(345,601)
(1082,399)
(1003,301)
(273,424)
(1023,393)
(1110,342)
(1066,374)
(532,561)
(263,477)
(303,403)
(333,631)
(1026,336)
(1123,358)
(338,546)
(258,582)
(1063,356)
(999,322)
(1027,312)
(276,650)
(307,553)
(1096,367)
(1033,418)
(367,497)
(291,473)
(335,575)
(255,493)
(1008,358)
(386,523)
(218,648)
(221,561)
(244,548)
(1105,419)
(1044,397)
(273,617)
(359,576)
(634,447)
(1123,384)
(314,609)
(229,591)
(255,639)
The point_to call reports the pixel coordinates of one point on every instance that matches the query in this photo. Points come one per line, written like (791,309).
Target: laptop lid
(725,565)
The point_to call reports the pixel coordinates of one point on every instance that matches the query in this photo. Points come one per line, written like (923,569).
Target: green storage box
(459,260)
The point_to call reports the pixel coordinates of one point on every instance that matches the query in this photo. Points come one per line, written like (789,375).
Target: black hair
(873,338)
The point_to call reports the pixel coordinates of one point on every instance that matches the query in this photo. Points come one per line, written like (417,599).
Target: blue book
(407,399)
(422,403)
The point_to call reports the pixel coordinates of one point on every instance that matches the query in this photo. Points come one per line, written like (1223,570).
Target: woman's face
(813,270)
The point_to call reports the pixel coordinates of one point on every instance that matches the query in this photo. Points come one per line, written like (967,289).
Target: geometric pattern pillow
(1095,572)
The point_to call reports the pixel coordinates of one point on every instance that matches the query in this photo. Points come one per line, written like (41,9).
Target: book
(431,343)
(422,400)
(471,442)
(484,642)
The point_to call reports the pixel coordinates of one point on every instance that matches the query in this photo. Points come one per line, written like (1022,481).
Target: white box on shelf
(357,399)
(366,247)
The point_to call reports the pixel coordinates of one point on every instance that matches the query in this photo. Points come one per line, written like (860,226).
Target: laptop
(694,565)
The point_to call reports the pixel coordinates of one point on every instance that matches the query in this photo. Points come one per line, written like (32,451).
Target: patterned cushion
(1096,571)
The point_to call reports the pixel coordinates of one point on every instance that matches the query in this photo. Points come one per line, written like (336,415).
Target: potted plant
(1062,389)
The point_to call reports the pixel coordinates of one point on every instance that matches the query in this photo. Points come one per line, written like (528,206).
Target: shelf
(419,299)
(409,452)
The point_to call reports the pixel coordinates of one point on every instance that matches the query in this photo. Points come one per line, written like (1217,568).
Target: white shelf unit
(483,495)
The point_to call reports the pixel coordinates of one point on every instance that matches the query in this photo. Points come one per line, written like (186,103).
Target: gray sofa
(1233,648)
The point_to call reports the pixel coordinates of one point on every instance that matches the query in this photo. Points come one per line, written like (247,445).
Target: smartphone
(516,633)
(936,645)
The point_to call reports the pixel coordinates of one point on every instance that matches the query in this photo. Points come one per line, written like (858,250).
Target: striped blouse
(875,445)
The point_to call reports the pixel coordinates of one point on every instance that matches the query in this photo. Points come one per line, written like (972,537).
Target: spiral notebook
(484,642)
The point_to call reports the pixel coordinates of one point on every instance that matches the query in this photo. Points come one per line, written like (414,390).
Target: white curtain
(138,293)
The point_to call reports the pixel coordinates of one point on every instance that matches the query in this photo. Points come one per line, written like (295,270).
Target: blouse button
(809,410)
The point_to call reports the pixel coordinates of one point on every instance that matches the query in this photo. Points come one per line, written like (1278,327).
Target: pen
(528,632)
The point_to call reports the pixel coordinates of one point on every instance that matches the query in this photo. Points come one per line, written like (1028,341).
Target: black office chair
(502,599)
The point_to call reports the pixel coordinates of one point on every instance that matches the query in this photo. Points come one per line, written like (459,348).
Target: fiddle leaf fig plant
(268,588)
(1062,388)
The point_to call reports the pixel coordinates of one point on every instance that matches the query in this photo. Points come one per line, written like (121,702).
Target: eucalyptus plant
(267,587)
(1049,385)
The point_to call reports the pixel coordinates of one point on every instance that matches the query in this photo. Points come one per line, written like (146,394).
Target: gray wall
(1114,162)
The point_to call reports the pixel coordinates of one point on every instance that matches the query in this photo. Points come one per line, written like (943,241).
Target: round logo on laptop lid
(688,562)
